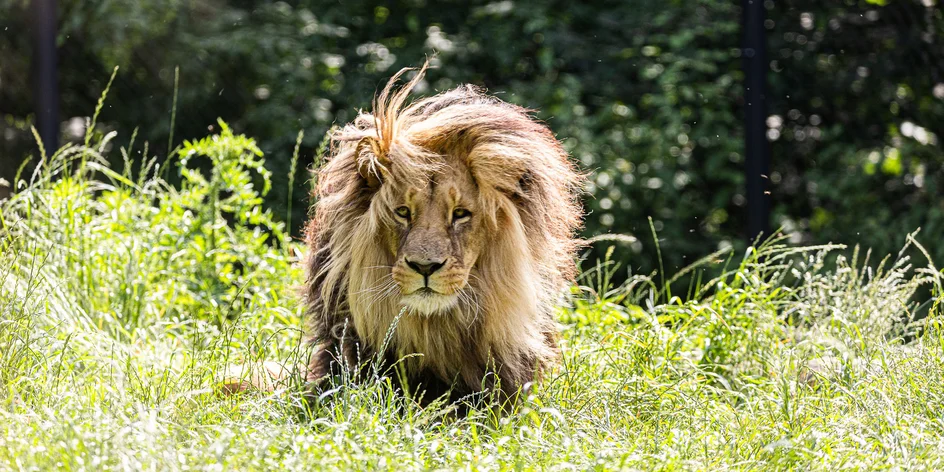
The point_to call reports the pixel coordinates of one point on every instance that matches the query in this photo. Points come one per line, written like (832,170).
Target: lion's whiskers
(469,300)
(372,288)
(476,277)
(382,290)
(379,267)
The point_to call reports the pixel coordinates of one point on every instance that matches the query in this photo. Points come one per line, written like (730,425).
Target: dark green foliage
(645,94)
(860,94)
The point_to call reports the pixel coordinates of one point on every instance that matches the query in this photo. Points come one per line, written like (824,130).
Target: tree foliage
(647,95)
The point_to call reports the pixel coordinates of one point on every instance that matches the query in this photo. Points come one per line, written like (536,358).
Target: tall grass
(123,298)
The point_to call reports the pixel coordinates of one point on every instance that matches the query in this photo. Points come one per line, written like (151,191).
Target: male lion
(448,224)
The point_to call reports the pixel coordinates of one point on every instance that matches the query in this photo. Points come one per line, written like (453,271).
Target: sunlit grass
(123,298)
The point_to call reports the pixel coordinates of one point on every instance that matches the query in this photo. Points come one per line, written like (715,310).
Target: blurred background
(647,95)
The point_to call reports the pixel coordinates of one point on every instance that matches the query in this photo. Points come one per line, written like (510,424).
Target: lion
(442,237)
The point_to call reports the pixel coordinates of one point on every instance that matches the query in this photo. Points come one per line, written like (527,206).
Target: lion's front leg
(325,360)
(266,376)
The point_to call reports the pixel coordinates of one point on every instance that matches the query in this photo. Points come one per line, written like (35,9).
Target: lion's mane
(530,191)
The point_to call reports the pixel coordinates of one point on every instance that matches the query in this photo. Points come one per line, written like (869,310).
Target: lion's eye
(460,214)
(403,212)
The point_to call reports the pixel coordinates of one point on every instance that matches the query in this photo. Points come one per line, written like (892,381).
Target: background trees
(645,94)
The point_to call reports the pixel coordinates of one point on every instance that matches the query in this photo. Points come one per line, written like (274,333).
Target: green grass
(123,298)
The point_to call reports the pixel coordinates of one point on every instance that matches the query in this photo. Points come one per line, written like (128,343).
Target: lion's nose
(425,267)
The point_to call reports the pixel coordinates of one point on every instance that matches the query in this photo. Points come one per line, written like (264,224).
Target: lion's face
(435,236)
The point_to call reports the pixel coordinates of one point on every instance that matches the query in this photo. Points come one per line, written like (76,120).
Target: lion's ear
(520,189)
(525,182)
(371,162)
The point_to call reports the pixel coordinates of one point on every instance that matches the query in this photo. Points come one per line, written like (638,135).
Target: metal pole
(756,152)
(45,83)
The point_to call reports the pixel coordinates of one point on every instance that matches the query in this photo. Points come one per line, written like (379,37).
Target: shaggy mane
(529,190)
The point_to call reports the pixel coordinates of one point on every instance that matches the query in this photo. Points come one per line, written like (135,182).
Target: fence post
(756,153)
(45,80)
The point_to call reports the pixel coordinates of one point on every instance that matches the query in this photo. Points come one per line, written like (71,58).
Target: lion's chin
(428,302)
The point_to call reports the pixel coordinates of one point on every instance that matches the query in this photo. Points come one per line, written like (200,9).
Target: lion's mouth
(428,301)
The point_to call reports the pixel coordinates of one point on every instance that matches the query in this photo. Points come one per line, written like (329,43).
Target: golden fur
(489,197)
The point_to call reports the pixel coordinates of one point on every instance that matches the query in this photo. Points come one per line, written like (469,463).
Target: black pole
(45,83)
(756,153)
